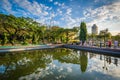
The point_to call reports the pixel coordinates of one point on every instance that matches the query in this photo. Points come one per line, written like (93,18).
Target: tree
(34,39)
(104,35)
(43,29)
(83,32)
(4,40)
(116,37)
(108,35)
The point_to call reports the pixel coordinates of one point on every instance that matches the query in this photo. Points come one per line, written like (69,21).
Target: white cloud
(52,15)
(105,12)
(71,22)
(34,8)
(6,5)
(107,16)
(69,10)
(60,4)
(55,22)
(96,1)
(59,11)
(63,6)
(51,0)
(40,11)
(45,13)
(71,0)
(56,3)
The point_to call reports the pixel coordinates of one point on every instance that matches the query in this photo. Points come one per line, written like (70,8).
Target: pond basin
(58,64)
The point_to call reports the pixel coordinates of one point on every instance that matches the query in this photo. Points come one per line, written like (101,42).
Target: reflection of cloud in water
(23,61)
(69,69)
(2,68)
(96,65)
(59,71)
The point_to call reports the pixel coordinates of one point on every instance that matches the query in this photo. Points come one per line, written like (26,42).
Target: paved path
(108,51)
(25,48)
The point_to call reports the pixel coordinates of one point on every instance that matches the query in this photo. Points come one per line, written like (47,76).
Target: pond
(58,64)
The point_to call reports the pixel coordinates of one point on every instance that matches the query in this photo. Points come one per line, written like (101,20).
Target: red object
(109,43)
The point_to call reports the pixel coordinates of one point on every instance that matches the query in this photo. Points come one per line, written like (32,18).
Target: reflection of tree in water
(25,63)
(67,56)
(73,57)
(83,61)
(20,64)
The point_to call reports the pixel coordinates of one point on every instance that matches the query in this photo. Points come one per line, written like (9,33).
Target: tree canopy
(25,30)
(83,32)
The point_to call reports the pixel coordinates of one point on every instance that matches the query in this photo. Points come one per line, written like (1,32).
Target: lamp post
(104,38)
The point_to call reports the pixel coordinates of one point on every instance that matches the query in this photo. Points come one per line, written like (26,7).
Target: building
(94,29)
(104,31)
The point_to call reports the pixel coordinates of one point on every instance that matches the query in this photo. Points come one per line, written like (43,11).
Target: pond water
(58,64)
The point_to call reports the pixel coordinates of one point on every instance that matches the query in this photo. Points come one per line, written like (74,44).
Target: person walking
(90,43)
(109,44)
(100,44)
(115,44)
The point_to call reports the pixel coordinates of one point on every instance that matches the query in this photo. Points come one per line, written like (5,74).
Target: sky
(68,13)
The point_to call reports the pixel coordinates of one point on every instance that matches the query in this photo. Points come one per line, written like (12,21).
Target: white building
(94,29)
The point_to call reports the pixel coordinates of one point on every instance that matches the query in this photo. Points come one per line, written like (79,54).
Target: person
(100,44)
(85,44)
(115,44)
(90,43)
(109,44)
(80,43)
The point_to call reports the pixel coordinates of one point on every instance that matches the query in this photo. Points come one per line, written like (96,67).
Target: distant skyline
(68,13)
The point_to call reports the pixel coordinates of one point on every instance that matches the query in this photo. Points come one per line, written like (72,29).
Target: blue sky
(68,13)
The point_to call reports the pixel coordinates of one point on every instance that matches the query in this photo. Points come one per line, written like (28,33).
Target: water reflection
(63,64)
(83,61)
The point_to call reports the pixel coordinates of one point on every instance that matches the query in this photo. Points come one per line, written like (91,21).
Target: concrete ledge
(28,48)
(114,52)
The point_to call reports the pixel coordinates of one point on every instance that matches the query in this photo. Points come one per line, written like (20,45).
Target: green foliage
(116,37)
(4,40)
(104,35)
(17,29)
(108,35)
(25,43)
(83,32)
(34,39)
(20,29)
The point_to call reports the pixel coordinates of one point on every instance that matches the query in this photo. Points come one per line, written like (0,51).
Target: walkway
(26,48)
(108,51)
